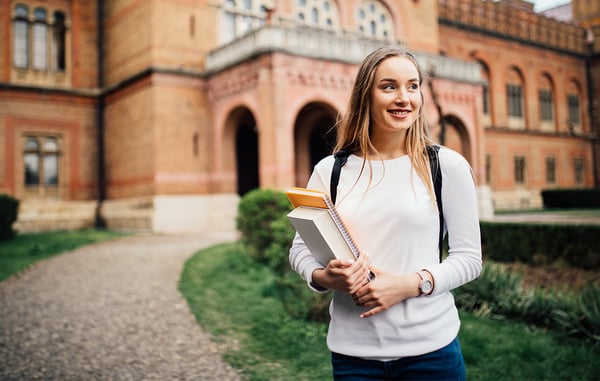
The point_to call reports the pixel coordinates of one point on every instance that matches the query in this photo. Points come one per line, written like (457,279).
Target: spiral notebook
(317,221)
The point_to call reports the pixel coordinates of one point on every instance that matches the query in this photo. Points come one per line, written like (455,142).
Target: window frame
(546,101)
(551,169)
(48,176)
(368,19)
(514,95)
(520,169)
(41,40)
(20,44)
(574,109)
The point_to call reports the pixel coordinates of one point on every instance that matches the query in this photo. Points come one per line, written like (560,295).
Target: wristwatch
(425,285)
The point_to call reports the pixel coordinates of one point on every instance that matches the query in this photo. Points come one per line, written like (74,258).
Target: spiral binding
(342,227)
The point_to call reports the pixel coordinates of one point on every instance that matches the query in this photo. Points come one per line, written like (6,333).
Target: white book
(321,234)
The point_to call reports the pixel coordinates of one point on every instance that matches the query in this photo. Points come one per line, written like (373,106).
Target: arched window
(375,21)
(574,106)
(39,42)
(40,39)
(485,74)
(50,164)
(546,99)
(487,101)
(21,36)
(240,17)
(58,42)
(32,161)
(514,97)
(317,13)
(40,159)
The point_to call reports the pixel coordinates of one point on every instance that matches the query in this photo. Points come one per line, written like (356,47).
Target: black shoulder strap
(436,174)
(340,159)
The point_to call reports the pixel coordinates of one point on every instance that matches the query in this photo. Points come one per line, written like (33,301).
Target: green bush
(267,236)
(256,211)
(580,317)
(574,245)
(571,198)
(277,251)
(498,293)
(9,211)
(299,301)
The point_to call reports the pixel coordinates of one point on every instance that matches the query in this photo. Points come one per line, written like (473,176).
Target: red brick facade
(195,103)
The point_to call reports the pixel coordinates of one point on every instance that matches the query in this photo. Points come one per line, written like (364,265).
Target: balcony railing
(327,45)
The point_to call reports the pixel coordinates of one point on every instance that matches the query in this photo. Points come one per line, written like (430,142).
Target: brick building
(158,115)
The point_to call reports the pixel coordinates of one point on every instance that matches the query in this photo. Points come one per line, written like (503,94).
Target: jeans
(445,364)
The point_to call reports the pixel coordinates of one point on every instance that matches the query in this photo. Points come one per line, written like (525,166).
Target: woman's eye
(389,87)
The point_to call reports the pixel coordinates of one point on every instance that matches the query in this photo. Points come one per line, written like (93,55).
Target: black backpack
(342,156)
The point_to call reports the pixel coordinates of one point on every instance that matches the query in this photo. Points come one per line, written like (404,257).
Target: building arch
(457,136)
(240,150)
(374,20)
(321,14)
(314,137)
(399,15)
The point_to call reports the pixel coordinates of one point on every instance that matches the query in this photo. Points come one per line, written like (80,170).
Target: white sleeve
(301,260)
(459,200)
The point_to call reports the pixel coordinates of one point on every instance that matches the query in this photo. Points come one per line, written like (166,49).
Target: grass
(234,299)
(23,250)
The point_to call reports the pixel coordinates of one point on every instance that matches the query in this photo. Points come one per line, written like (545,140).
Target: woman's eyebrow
(396,81)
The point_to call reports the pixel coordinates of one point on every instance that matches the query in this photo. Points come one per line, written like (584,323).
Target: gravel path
(108,311)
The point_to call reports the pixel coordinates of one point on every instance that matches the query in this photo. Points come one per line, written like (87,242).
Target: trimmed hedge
(9,211)
(574,245)
(571,198)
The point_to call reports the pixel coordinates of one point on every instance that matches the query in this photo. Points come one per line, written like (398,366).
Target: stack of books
(318,223)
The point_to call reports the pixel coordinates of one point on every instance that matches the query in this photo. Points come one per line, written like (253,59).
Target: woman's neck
(389,147)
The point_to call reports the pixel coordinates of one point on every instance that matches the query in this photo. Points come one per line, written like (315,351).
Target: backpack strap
(436,174)
(341,157)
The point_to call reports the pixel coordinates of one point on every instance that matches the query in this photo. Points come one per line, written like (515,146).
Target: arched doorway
(314,137)
(455,136)
(241,149)
(246,148)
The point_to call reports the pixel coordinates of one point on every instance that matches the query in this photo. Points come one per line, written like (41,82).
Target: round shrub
(256,211)
(9,211)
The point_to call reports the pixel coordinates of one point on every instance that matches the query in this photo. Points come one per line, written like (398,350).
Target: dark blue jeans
(445,364)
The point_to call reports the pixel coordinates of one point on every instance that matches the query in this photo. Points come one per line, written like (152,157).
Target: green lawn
(23,250)
(234,299)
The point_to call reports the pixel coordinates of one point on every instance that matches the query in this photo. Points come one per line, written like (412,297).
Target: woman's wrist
(426,283)
(316,278)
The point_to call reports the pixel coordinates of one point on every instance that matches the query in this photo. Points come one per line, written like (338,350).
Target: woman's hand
(343,274)
(385,291)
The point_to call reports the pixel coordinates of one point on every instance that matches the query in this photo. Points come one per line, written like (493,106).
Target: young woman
(403,325)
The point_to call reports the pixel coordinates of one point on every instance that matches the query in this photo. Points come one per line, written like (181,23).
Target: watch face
(426,286)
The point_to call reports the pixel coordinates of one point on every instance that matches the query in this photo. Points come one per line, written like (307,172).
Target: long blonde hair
(353,130)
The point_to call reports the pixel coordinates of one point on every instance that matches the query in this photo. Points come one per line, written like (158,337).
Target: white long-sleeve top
(389,212)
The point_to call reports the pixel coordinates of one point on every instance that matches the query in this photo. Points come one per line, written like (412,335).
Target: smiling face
(395,97)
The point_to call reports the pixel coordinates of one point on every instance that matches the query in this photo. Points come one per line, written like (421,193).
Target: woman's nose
(401,96)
